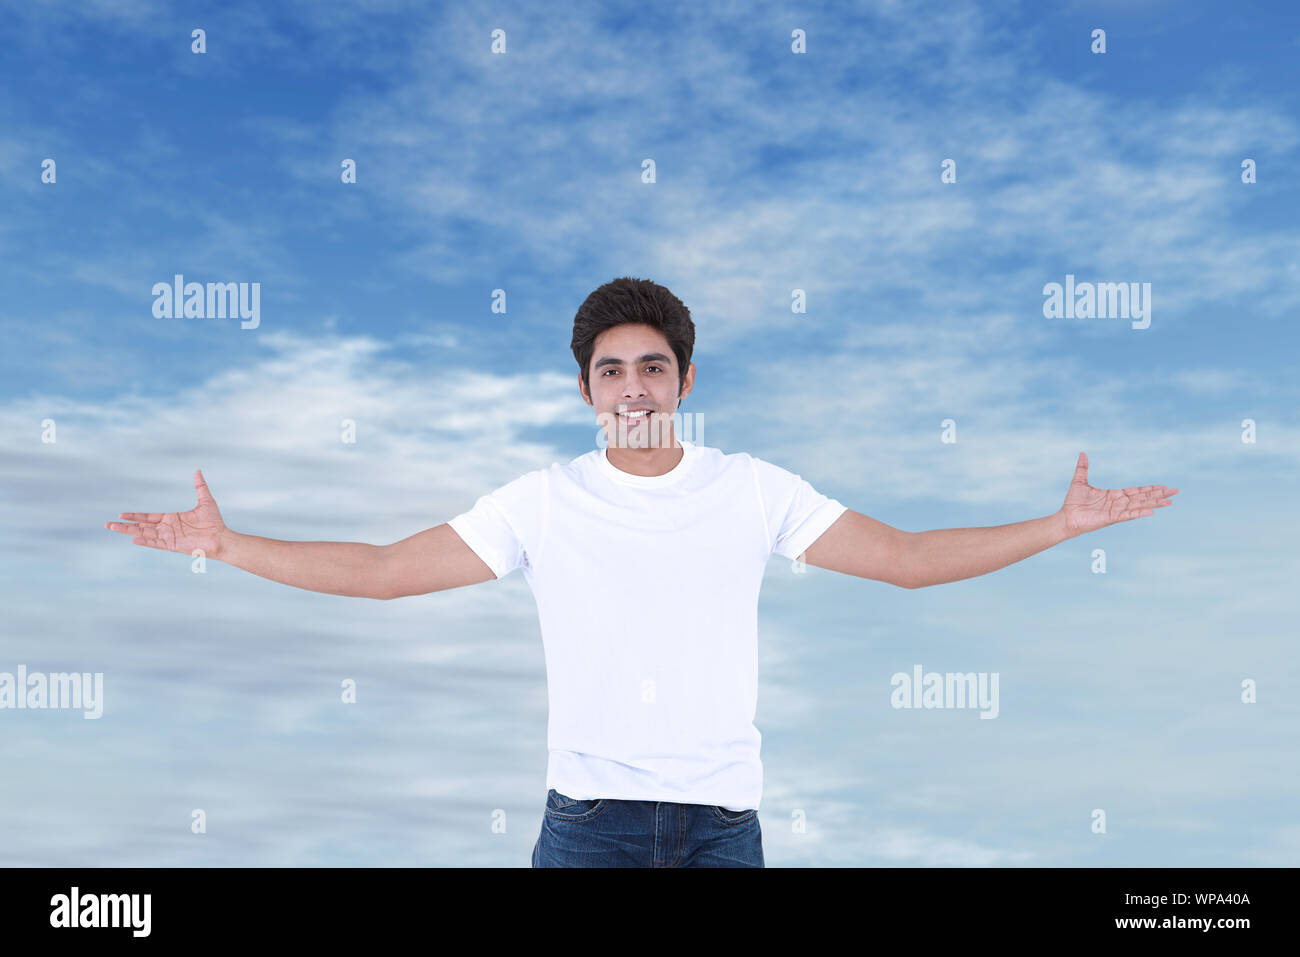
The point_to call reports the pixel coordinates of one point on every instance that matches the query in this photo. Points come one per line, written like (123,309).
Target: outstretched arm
(432,560)
(861,546)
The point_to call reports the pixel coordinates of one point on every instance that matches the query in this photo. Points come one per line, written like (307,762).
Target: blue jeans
(605,832)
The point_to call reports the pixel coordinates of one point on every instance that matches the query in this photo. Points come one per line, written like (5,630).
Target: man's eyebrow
(648,357)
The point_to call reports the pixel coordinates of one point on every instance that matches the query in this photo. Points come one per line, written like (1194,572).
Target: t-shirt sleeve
(796,513)
(504,527)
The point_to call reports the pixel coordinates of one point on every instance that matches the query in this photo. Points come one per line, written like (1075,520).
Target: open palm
(199,528)
(1087,508)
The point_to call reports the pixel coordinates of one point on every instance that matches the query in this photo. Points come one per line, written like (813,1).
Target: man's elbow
(906,575)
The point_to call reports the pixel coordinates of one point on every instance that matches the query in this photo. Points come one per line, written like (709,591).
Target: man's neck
(646,462)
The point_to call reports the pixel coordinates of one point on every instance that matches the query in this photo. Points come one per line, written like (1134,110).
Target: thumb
(201,487)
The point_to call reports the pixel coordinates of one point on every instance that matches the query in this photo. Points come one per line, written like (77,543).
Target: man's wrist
(1060,528)
(226,540)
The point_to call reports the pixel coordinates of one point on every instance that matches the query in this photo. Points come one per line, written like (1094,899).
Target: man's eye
(608,371)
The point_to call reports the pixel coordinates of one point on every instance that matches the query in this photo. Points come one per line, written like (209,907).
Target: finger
(126,528)
(1147,504)
(201,487)
(1081,468)
(154,537)
(1163,490)
(1148,492)
(1135,513)
(153,518)
(143,534)
(1139,489)
(1146,498)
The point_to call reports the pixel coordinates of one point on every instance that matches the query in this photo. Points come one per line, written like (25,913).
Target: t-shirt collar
(649,481)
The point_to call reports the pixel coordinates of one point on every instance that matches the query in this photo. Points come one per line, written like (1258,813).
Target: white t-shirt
(647,595)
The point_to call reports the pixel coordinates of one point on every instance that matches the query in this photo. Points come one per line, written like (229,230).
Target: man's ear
(583,392)
(688,382)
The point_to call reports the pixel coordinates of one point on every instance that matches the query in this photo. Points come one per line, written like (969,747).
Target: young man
(645,559)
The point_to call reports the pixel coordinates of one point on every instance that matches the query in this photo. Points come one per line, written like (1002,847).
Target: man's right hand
(200,528)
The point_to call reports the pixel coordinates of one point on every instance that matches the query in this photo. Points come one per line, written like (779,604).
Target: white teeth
(635,415)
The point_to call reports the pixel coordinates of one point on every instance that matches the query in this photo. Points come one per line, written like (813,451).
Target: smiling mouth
(632,417)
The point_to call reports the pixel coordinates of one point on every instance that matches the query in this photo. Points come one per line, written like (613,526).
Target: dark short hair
(633,300)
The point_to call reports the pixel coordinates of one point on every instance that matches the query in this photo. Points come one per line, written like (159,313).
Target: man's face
(633,368)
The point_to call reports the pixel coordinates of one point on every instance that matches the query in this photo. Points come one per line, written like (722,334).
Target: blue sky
(775,172)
